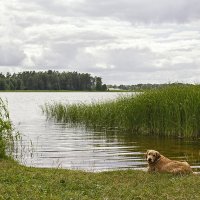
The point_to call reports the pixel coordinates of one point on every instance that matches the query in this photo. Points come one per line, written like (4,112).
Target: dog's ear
(157,155)
(146,154)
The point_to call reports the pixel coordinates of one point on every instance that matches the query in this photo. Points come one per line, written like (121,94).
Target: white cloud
(11,55)
(122,41)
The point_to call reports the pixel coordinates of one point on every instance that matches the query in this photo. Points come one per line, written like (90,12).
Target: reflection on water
(49,144)
(80,149)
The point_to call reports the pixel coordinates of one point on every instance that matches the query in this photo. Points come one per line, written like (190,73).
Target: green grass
(19,182)
(169,111)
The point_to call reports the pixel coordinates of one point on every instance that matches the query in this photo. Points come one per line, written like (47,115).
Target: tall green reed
(6,138)
(168,111)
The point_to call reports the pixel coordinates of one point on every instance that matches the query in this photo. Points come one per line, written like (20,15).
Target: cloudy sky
(123,41)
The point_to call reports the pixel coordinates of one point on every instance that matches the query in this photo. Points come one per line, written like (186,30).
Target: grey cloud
(115,60)
(136,65)
(132,59)
(180,67)
(53,7)
(11,55)
(33,19)
(85,38)
(56,55)
(69,50)
(135,11)
(144,10)
(118,59)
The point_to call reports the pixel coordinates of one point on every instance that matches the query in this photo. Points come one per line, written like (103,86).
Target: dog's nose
(149,159)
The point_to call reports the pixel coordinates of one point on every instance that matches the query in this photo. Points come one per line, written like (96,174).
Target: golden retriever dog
(159,163)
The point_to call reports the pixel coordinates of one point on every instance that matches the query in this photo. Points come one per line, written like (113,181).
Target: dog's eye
(154,155)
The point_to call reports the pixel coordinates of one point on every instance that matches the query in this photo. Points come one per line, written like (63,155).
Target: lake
(46,143)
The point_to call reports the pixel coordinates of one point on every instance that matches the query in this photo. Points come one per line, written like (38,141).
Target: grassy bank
(19,182)
(169,111)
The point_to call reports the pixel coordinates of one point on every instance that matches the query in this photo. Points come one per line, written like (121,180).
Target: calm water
(49,144)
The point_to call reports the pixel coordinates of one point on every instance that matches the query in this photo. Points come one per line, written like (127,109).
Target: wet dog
(159,163)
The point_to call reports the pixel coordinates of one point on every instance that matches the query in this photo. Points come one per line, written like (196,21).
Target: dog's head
(152,156)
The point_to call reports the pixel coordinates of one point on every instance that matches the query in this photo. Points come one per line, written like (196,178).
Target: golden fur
(159,163)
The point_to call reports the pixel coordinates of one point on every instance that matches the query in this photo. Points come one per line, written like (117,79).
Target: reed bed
(6,138)
(168,111)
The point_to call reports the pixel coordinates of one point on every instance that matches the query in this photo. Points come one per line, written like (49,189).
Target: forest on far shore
(51,80)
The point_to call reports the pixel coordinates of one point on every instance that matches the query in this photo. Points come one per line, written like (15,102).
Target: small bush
(6,140)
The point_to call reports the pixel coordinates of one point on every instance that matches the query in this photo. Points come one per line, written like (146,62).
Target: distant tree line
(146,86)
(50,80)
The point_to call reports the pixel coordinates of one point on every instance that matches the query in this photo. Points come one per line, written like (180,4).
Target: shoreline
(21,182)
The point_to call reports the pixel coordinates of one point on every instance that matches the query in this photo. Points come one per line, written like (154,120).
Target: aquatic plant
(6,139)
(168,111)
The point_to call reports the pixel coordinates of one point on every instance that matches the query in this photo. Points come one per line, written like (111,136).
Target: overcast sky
(123,41)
